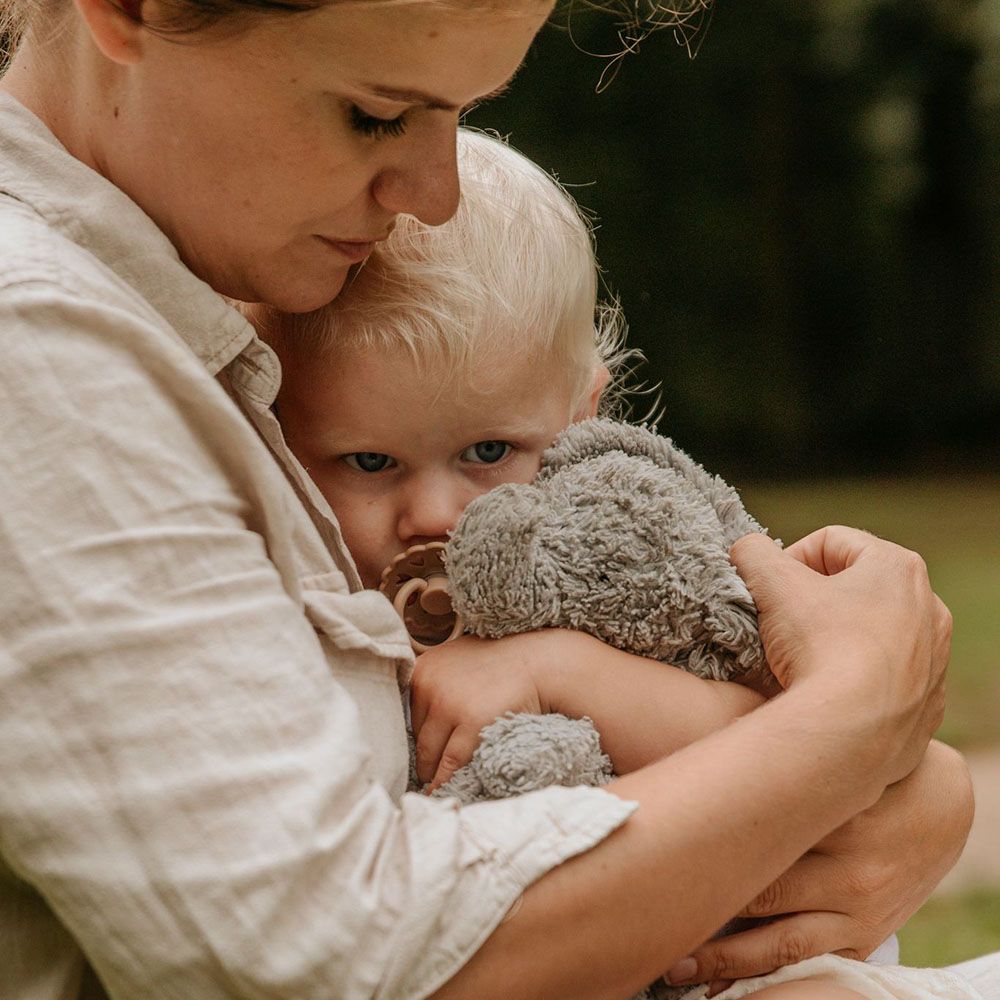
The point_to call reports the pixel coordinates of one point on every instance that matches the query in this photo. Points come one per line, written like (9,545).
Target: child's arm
(643,710)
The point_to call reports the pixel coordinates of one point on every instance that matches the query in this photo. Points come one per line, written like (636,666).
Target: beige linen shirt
(202,753)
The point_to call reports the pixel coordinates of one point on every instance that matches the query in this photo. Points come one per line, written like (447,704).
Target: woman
(202,733)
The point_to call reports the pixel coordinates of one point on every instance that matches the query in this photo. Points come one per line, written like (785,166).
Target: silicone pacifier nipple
(417,584)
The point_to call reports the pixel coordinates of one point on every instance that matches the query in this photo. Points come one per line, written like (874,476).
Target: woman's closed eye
(487,452)
(372,125)
(369,461)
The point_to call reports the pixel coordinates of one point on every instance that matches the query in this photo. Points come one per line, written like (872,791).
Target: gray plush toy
(621,535)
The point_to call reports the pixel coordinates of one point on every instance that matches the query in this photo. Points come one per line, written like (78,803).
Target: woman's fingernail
(685,969)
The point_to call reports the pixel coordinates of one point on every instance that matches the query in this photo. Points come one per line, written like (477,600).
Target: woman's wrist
(845,718)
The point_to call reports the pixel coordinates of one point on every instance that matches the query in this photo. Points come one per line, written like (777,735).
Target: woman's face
(275,158)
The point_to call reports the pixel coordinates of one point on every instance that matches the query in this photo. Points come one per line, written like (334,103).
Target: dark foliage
(803,223)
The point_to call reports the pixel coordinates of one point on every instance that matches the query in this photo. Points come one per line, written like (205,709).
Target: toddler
(446,367)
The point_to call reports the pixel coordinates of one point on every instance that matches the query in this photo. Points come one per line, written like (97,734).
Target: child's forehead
(484,372)
(386,387)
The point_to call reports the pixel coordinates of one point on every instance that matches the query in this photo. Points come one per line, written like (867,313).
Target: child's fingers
(432,737)
(457,753)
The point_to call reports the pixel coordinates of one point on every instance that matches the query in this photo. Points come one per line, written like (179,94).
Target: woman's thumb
(763,566)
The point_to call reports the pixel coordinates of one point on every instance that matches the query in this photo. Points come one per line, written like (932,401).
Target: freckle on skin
(116,111)
(433,34)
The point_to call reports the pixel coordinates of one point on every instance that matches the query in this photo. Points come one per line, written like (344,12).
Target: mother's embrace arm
(856,886)
(856,635)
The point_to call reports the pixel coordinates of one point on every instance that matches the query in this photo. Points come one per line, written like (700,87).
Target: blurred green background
(803,226)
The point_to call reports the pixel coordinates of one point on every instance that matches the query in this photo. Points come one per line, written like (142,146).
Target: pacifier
(417,584)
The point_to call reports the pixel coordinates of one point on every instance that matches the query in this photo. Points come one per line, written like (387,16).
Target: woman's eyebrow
(408,96)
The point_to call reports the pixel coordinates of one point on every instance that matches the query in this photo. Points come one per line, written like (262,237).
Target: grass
(955,524)
(950,929)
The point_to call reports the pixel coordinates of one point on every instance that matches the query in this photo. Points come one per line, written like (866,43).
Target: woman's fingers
(855,611)
(763,949)
(810,884)
(858,870)
(832,549)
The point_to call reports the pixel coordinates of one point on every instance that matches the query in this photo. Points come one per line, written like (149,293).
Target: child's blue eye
(369,461)
(486,452)
(376,127)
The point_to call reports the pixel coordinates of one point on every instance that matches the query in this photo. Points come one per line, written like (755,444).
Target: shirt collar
(36,169)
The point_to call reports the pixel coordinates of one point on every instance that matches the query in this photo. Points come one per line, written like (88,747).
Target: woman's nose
(425,183)
(430,509)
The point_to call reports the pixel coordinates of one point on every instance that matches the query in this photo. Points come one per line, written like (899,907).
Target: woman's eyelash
(377,127)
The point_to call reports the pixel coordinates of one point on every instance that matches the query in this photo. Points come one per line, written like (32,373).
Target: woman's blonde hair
(512,275)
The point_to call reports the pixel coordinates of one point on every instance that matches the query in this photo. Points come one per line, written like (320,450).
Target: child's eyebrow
(407,96)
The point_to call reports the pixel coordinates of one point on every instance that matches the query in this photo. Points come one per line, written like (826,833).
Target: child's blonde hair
(513,274)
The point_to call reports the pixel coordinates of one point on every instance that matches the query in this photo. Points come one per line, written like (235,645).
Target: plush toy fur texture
(621,535)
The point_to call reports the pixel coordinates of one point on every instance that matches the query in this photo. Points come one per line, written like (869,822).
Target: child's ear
(115,27)
(588,408)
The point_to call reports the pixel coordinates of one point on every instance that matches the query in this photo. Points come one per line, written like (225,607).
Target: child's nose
(430,509)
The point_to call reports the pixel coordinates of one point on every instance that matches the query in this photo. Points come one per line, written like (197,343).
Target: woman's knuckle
(718,965)
(868,880)
(792,946)
(946,624)
(770,901)
(915,566)
(855,954)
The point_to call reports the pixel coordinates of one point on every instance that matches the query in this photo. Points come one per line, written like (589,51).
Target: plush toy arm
(522,753)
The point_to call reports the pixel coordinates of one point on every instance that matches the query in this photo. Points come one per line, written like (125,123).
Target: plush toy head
(622,535)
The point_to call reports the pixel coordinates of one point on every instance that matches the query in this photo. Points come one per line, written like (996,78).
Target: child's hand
(462,686)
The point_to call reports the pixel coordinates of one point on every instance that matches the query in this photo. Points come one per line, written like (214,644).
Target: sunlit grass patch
(952,928)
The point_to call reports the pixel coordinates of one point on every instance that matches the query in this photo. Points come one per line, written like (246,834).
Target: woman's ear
(115,26)
(588,408)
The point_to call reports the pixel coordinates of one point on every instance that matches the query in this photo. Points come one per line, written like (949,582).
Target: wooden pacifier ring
(417,584)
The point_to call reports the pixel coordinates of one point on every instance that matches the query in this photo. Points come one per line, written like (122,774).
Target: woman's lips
(353,251)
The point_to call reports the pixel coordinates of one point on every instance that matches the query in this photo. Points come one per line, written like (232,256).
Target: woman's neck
(62,79)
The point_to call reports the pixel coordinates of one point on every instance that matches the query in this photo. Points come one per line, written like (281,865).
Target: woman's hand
(857,886)
(844,608)
(461,686)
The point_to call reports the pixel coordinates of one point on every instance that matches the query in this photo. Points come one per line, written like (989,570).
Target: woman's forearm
(717,822)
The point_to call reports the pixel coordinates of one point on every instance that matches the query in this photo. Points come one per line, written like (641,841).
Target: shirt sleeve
(185,782)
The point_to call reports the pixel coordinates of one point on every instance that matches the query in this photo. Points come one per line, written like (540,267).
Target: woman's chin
(289,291)
(304,294)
